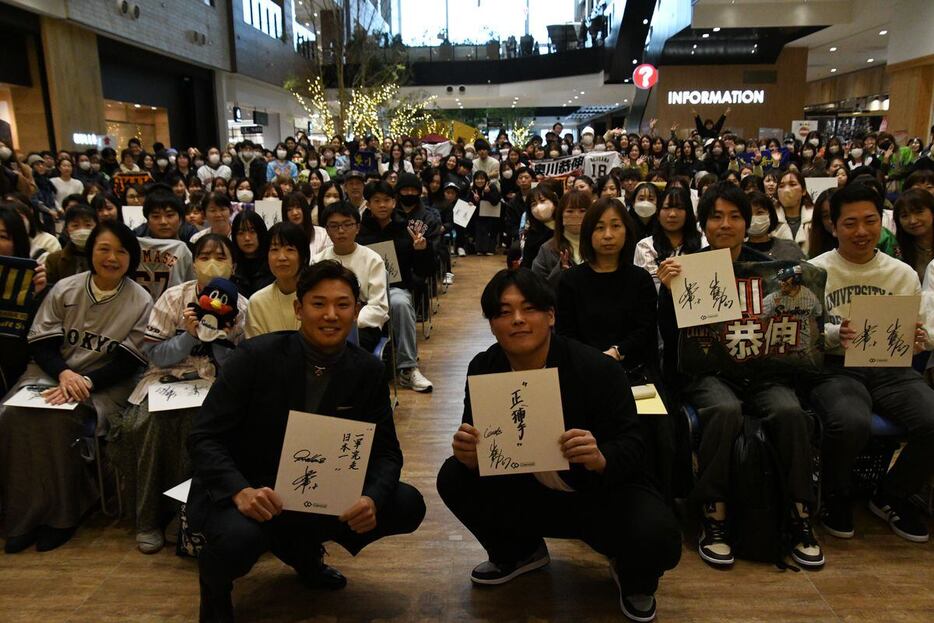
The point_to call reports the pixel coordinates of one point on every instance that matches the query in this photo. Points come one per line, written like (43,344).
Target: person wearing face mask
(795,209)
(562,251)
(487,227)
(312,164)
(643,210)
(281,165)
(859,157)
(717,160)
(85,172)
(162,168)
(149,449)
(674,233)
(79,219)
(540,205)
(759,234)
(213,168)
(812,164)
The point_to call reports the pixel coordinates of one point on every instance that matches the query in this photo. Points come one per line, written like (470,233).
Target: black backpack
(758,507)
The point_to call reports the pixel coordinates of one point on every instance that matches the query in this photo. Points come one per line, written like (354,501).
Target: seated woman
(762,228)
(273,307)
(914,228)
(606,302)
(14,242)
(41,243)
(674,233)
(251,239)
(297,210)
(107,207)
(563,250)
(87,342)
(149,450)
(540,205)
(643,211)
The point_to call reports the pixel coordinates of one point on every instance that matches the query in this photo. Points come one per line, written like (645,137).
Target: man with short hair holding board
(238,436)
(846,397)
(604,499)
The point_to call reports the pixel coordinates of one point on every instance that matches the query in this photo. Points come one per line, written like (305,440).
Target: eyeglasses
(340,226)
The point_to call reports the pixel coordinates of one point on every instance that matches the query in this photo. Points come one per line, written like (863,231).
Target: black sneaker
(806,551)
(714,543)
(489,573)
(905,520)
(635,607)
(16,544)
(48,538)
(837,516)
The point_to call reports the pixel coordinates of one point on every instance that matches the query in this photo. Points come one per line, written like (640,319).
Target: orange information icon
(645,76)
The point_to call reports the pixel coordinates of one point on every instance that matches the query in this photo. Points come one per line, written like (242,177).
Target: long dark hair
(573,199)
(912,199)
(677,197)
(819,239)
(298,199)
(15,228)
(592,217)
(262,235)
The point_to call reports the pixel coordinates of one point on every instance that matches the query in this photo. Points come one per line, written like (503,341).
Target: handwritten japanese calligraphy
(180,395)
(323,463)
(719,302)
(885,327)
(520,416)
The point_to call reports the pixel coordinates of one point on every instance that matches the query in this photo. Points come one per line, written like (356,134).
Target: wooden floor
(99,575)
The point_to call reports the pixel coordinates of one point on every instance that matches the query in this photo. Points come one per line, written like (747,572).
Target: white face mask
(672,149)
(807,154)
(244,196)
(543,211)
(246,155)
(599,147)
(85,165)
(172,159)
(507,173)
(227,160)
(214,158)
(312,164)
(576,151)
(79,238)
(814,141)
(856,153)
(162,162)
(5,153)
(587,139)
(329,200)
(644,209)
(205,270)
(281,154)
(407,151)
(759,225)
(554,153)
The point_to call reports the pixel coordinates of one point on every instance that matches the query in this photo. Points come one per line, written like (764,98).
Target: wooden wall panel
(29,107)
(911,99)
(784,100)
(74,77)
(863,83)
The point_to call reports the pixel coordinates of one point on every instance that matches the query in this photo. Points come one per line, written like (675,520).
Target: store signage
(251,129)
(645,76)
(716,97)
(80,138)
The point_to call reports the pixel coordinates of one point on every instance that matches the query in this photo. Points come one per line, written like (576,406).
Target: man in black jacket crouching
(604,499)
(237,438)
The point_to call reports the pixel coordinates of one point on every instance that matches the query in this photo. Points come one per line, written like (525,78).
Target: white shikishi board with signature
(323,463)
(520,420)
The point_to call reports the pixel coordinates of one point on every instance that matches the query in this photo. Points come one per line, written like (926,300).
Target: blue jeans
(402,316)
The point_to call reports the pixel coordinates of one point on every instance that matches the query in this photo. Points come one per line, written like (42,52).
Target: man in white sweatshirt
(342,222)
(845,398)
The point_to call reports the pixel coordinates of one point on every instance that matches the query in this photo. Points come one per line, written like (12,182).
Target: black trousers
(510,515)
(234,542)
(845,398)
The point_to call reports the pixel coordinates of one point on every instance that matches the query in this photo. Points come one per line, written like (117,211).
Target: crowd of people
(302,299)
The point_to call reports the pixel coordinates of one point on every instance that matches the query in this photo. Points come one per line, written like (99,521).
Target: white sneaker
(448,279)
(414,380)
(461,252)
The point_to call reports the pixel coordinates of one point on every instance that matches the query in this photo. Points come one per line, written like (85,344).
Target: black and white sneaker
(489,573)
(636,607)
(714,543)
(836,516)
(806,551)
(902,517)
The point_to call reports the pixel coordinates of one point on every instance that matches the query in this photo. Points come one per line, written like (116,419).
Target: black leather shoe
(16,544)
(324,576)
(48,538)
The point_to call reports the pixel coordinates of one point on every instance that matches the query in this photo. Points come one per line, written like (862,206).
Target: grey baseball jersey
(163,264)
(91,329)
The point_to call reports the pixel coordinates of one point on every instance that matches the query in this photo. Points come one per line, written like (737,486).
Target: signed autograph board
(885,331)
(520,420)
(705,291)
(181,395)
(387,251)
(323,463)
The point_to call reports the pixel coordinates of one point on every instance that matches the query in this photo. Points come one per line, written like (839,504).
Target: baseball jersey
(803,306)
(165,320)
(163,264)
(92,330)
